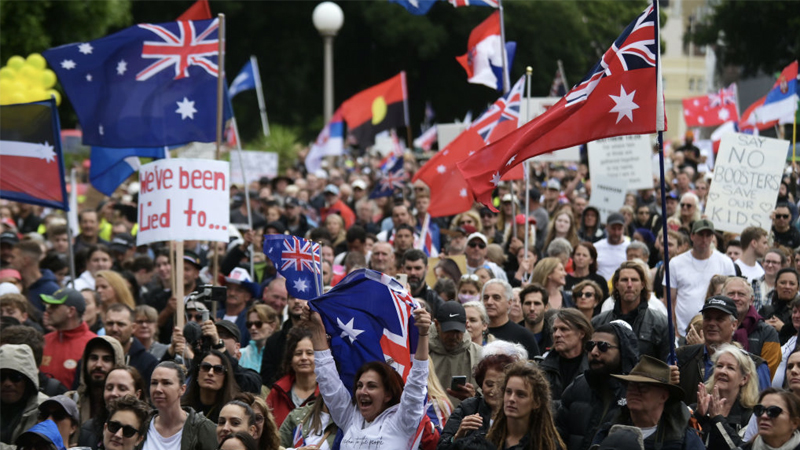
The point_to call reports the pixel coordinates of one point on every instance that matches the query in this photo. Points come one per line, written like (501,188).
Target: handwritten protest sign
(183,199)
(256,165)
(608,194)
(746,181)
(623,157)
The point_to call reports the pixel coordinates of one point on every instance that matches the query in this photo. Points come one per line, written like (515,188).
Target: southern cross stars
(349,330)
(122,67)
(301,285)
(68,64)
(623,104)
(85,48)
(186,109)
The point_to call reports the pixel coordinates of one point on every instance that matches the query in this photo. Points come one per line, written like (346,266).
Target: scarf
(748,326)
(793,442)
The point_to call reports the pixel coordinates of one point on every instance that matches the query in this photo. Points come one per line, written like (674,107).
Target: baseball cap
(478,236)
(615,218)
(508,198)
(68,297)
(230,328)
(192,258)
(122,242)
(65,402)
(553,183)
(331,189)
(241,277)
(452,317)
(722,303)
(702,225)
(291,202)
(359,184)
(10,273)
(275,225)
(520,219)
(9,237)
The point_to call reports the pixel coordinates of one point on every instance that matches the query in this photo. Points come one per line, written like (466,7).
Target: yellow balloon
(56,94)
(36,61)
(48,78)
(4,98)
(36,94)
(7,73)
(16,62)
(5,85)
(18,86)
(17,97)
(31,75)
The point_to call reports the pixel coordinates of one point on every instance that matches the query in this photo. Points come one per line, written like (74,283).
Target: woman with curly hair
(266,430)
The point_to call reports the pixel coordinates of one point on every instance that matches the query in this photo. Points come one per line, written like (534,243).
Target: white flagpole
(526,166)
(72,222)
(506,80)
(260,93)
(246,195)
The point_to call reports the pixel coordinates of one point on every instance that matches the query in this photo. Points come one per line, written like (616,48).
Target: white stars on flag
(510,161)
(100,130)
(68,64)
(724,114)
(496,179)
(122,67)
(88,77)
(186,109)
(441,168)
(624,104)
(301,284)
(85,48)
(349,330)
(463,192)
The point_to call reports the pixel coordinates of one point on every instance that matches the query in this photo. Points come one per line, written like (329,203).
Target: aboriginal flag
(376,109)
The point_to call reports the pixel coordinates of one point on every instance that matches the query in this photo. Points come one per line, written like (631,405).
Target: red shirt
(62,351)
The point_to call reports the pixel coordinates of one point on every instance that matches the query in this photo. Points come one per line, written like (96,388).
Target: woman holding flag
(381,414)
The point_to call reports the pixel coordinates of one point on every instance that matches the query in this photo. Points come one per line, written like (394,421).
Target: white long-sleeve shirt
(393,429)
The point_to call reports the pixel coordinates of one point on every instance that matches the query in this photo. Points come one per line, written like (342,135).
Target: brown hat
(653,371)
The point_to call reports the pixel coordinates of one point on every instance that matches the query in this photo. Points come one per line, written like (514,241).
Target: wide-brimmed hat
(653,371)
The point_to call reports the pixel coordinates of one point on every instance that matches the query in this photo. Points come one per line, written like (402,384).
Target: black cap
(66,296)
(277,226)
(722,303)
(452,316)
(192,258)
(122,242)
(9,237)
(702,225)
(230,328)
(615,218)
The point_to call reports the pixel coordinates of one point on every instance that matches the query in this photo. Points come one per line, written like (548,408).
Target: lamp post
(328,19)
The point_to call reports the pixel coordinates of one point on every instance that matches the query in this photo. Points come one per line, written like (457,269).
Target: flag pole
(506,80)
(71,216)
(246,196)
(525,164)
(220,100)
(179,285)
(405,110)
(671,359)
(260,94)
(563,75)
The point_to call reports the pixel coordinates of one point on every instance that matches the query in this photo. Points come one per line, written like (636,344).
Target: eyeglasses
(468,276)
(767,262)
(259,418)
(479,244)
(196,317)
(257,323)
(687,205)
(601,345)
(12,375)
(57,415)
(127,430)
(585,294)
(487,216)
(144,322)
(208,367)
(782,216)
(772,411)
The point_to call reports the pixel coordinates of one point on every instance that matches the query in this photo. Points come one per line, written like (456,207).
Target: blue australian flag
(149,85)
(369,318)
(297,260)
(393,177)
(246,80)
(112,166)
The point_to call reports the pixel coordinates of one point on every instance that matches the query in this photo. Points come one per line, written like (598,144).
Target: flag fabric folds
(712,109)
(559,86)
(460,3)
(297,260)
(484,59)
(110,167)
(450,192)
(31,161)
(149,85)
(427,138)
(393,176)
(619,96)
(198,11)
(330,142)
(376,109)
(781,100)
(416,7)
(369,318)
(246,80)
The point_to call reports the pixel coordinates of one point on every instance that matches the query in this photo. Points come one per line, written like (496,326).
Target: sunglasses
(257,323)
(196,317)
(687,205)
(782,216)
(479,244)
(208,367)
(12,375)
(585,294)
(127,430)
(57,415)
(468,276)
(772,411)
(601,345)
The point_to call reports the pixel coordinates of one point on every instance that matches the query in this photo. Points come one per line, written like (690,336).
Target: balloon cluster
(25,80)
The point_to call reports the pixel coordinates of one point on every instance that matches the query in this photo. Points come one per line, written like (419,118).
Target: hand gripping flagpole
(671,359)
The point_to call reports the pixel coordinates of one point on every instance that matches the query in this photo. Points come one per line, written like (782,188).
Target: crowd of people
(565,343)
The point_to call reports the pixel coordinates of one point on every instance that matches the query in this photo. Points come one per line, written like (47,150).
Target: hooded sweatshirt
(47,430)
(458,361)
(17,418)
(81,395)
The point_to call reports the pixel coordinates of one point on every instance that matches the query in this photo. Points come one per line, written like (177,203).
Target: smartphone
(205,316)
(402,278)
(457,381)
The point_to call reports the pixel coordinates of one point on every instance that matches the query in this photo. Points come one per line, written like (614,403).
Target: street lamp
(328,19)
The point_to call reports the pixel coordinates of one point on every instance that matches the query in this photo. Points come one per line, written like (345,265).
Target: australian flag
(393,177)
(369,318)
(149,85)
(299,261)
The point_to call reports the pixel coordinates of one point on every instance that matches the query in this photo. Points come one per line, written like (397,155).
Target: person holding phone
(453,353)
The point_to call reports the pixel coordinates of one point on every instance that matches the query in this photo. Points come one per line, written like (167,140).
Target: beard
(415,284)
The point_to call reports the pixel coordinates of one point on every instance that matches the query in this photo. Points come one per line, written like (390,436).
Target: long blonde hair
(543,270)
(572,233)
(437,394)
(748,394)
(120,287)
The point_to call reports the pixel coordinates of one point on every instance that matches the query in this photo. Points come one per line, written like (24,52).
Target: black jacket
(714,427)
(550,367)
(273,354)
(594,398)
(672,432)
(141,359)
(650,327)
(468,407)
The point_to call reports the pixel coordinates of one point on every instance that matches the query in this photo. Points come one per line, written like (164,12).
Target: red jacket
(280,398)
(340,208)
(62,351)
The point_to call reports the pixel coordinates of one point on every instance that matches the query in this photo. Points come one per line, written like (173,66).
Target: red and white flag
(712,109)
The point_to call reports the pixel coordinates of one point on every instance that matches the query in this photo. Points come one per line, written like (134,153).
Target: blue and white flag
(416,7)
(246,80)
(110,167)
(369,318)
(393,177)
(297,260)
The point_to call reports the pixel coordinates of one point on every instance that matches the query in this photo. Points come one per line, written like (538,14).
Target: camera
(209,296)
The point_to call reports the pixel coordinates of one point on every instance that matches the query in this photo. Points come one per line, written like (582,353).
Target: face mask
(464,298)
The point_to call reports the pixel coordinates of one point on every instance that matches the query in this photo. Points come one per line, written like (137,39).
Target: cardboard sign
(746,181)
(256,165)
(608,194)
(183,199)
(625,158)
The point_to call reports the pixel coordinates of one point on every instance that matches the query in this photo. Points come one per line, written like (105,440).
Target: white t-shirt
(750,272)
(690,276)
(155,441)
(609,257)
(230,318)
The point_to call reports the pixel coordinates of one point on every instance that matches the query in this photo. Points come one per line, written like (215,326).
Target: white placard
(747,177)
(625,158)
(183,199)
(446,132)
(608,195)
(538,106)
(256,165)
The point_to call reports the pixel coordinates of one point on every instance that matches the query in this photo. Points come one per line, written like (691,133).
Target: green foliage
(758,36)
(283,140)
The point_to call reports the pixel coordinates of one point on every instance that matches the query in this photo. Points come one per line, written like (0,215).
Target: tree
(758,36)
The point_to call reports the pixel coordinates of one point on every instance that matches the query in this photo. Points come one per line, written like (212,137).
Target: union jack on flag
(297,260)
(634,49)
(297,436)
(460,3)
(504,113)
(185,49)
(394,177)
(725,96)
